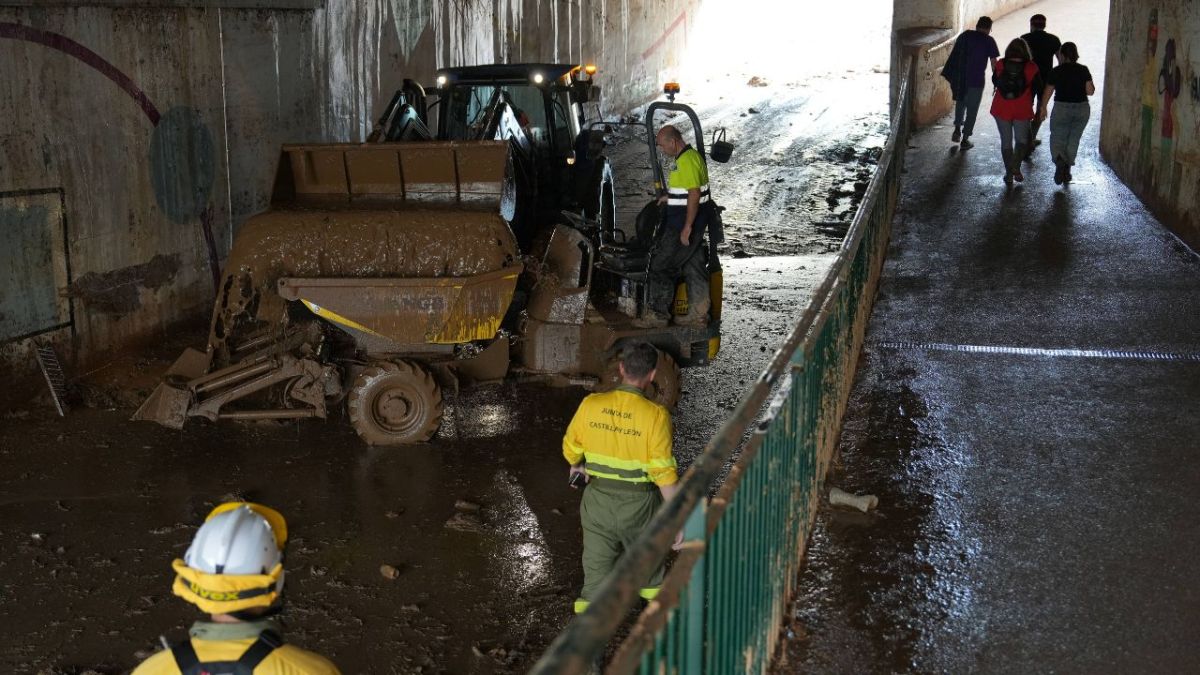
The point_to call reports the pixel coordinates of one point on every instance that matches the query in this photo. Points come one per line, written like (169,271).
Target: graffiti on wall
(181,147)
(1163,83)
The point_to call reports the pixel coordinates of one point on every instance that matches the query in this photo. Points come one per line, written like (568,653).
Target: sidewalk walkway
(1038,504)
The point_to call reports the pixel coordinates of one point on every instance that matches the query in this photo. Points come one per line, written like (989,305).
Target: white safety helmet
(235,561)
(237,541)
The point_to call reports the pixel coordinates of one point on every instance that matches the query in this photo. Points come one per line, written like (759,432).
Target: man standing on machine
(678,251)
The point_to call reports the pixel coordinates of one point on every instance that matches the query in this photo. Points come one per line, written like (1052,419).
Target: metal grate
(55,378)
(1132,354)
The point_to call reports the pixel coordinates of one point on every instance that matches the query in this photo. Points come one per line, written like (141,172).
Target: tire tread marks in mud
(395,403)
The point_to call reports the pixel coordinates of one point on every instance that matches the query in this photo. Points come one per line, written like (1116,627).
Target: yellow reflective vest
(623,436)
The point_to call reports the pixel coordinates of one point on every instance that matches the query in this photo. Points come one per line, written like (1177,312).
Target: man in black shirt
(1045,47)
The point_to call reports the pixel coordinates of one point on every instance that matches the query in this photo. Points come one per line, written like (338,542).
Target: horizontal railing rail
(722,603)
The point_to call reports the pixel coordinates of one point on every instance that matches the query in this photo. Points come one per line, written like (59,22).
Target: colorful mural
(1152,140)
(1149,93)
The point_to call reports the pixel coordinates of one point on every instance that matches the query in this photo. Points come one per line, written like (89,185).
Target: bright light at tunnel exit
(785,41)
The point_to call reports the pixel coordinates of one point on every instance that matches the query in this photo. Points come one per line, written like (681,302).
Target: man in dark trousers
(619,443)
(679,250)
(1045,47)
(966,69)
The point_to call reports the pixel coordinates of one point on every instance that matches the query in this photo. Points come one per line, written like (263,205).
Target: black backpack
(1010,81)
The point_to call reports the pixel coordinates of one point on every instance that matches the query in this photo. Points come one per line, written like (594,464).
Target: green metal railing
(723,601)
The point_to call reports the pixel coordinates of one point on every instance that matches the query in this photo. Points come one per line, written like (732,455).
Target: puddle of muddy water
(114,501)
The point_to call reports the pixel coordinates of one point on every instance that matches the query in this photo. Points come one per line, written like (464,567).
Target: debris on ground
(466,507)
(757,81)
(864,503)
(389,571)
(393,514)
(464,522)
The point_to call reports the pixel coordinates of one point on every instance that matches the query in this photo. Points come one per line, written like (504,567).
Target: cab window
(468,104)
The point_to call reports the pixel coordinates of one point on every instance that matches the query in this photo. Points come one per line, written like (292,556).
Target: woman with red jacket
(1015,80)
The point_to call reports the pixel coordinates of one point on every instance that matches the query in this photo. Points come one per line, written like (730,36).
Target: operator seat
(632,256)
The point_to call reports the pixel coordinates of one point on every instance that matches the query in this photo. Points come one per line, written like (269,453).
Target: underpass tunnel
(133,241)
(141,135)
(1146,80)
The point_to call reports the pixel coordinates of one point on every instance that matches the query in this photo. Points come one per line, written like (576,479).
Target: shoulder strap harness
(189,664)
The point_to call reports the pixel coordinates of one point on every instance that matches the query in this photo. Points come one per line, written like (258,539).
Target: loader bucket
(168,404)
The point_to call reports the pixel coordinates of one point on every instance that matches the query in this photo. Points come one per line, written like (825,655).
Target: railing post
(695,531)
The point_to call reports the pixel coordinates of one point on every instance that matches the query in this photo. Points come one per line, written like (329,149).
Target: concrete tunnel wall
(926,29)
(1151,129)
(140,134)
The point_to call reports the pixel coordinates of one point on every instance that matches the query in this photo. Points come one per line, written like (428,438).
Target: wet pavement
(1037,508)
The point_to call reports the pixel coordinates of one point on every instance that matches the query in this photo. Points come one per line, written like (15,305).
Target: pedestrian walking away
(678,250)
(1071,84)
(619,443)
(1045,48)
(233,571)
(1015,79)
(966,70)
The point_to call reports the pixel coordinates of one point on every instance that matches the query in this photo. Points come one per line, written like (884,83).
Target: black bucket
(720,150)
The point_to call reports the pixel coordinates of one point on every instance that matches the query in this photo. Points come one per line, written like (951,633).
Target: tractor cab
(537,107)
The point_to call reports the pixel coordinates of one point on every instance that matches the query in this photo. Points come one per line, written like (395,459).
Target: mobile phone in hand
(577,480)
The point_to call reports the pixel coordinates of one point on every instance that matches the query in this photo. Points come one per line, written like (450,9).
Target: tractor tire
(395,404)
(664,388)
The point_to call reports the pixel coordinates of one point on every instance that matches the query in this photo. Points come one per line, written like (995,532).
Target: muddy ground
(479,523)
(804,153)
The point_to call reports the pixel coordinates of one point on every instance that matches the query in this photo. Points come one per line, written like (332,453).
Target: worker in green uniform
(619,442)
(678,251)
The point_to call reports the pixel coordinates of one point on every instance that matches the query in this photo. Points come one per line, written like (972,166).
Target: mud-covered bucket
(720,150)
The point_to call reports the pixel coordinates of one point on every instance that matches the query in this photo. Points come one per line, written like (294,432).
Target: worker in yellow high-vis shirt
(679,250)
(233,571)
(619,442)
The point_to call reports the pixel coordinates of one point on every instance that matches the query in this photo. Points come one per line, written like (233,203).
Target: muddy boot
(697,315)
(651,319)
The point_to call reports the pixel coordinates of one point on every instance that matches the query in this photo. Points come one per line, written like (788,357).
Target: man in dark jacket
(1045,47)
(966,69)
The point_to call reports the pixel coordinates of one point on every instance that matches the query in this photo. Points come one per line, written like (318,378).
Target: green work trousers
(613,514)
